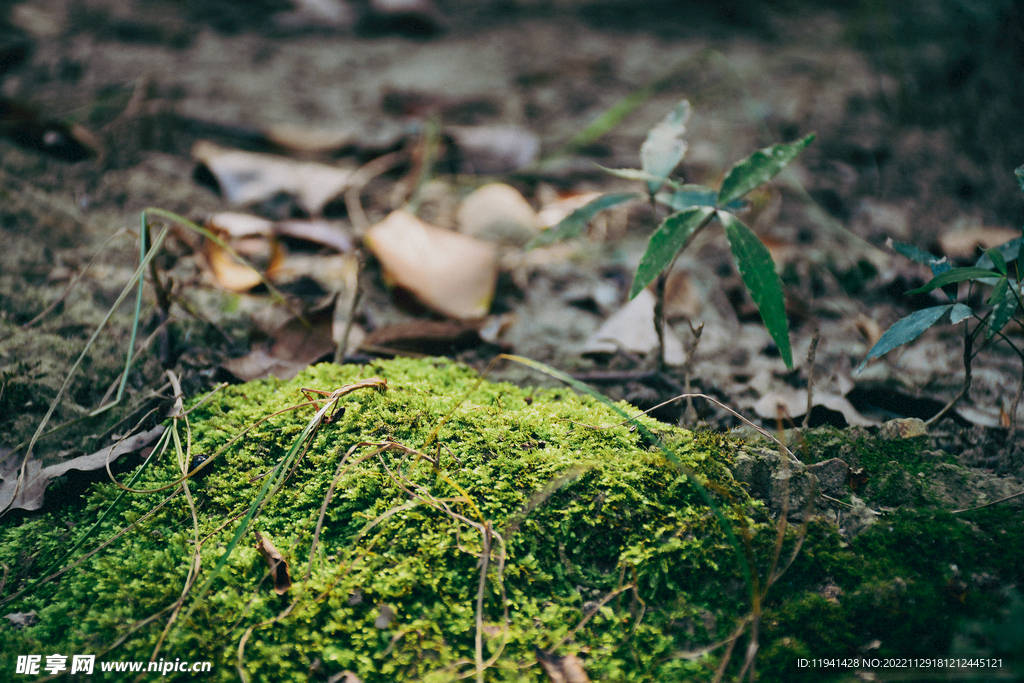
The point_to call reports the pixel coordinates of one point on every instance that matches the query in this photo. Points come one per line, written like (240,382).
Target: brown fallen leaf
(276,562)
(344,677)
(29,496)
(450,273)
(567,669)
(229,273)
(428,337)
(293,346)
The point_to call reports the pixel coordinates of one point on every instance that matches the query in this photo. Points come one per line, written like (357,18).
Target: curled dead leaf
(29,496)
(250,177)
(451,273)
(275,562)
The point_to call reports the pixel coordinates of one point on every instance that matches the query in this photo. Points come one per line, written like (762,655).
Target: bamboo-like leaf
(955,275)
(999,292)
(914,253)
(688,195)
(665,243)
(664,147)
(573,224)
(757,269)
(905,330)
(759,168)
(960,313)
(998,262)
(1003,308)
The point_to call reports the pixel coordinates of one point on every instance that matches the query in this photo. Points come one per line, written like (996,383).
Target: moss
(584,513)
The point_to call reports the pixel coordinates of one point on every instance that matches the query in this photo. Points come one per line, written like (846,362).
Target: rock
(903,428)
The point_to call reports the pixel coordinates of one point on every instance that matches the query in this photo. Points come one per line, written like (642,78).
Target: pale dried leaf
(498,213)
(631,329)
(965,242)
(30,495)
(451,273)
(567,669)
(248,177)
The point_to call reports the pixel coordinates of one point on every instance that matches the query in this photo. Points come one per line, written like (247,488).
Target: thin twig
(810,374)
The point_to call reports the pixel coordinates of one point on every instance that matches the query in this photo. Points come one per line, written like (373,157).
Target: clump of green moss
(583,511)
(609,550)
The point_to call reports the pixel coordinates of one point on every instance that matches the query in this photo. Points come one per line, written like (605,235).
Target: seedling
(1000,268)
(694,207)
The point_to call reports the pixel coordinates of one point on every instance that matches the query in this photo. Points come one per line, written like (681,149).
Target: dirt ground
(914,110)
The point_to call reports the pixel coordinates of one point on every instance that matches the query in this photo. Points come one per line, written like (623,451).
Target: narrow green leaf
(759,168)
(757,269)
(573,224)
(688,195)
(665,243)
(1009,251)
(997,259)
(960,313)
(906,330)
(955,275)
(664,147)
(1003,309)
(999,292)
(913,253)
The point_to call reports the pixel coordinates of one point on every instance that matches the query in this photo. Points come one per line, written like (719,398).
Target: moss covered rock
(595,545)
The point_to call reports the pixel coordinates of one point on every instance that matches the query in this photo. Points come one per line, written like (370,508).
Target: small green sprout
(694,207)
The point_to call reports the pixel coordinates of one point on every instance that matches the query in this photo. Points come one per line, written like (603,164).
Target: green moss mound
(584,513)
(601,548)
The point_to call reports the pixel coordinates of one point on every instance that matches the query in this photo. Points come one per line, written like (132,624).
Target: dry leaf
(344,677)
(494,149)
(307,139)
(964,242)
(248,177)
(232,275)
(293,347)
(328,233)
(22,619)
(276,562)
(792,404)
(451,273)
(429,337)
(30,495)
(632,329)
(498,213)
(567,669)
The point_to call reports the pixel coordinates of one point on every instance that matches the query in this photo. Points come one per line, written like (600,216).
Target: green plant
(1000,268)
(694,207)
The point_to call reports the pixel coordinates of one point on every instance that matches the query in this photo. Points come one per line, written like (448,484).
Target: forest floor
(104,104)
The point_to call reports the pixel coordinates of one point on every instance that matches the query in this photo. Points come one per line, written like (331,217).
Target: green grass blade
(573,224)
(905,330)
(757,269)
(956,275)
(759,168)
(670,237)
(688,195)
